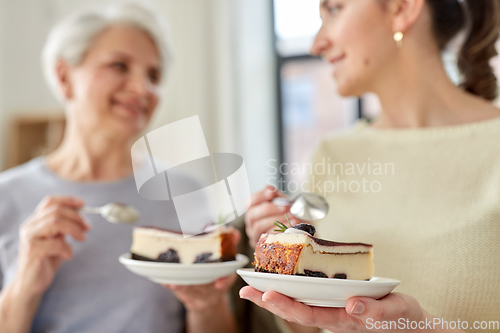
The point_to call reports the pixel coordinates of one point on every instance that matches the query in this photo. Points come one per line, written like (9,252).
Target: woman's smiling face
(115,87)
(356,39)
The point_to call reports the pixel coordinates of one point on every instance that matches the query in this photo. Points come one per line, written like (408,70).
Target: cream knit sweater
(430,206)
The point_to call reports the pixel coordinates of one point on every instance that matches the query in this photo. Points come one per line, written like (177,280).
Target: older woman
(105,66)
(435,220)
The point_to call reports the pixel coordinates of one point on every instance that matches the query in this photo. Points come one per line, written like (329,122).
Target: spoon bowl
(306,206)
(115,213)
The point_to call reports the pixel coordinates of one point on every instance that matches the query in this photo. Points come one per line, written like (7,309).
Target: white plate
(318,291)
(182,274)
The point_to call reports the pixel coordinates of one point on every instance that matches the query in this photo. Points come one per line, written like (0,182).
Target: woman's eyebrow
(154,66)
(121,54)
(324,4)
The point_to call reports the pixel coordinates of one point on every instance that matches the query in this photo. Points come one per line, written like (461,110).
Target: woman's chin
(347,89)
(127,127)
(346,92)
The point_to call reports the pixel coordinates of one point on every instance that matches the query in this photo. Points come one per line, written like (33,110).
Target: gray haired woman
(105,66)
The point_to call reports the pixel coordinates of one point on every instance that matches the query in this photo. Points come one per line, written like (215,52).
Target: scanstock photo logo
(174,163)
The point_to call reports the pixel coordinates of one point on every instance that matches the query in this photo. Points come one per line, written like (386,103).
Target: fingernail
(248,202)
(264,300)
(358,308)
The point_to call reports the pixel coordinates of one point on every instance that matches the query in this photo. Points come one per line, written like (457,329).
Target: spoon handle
(280,201)
(90,210)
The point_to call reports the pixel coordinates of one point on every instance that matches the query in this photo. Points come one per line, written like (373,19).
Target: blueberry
(311,230)
(315,274)
(169,256)
(203,258)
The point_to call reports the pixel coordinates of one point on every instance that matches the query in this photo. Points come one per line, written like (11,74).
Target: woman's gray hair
(71,38)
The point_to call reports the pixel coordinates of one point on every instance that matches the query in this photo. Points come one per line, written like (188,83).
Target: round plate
(182,274)
(318,291)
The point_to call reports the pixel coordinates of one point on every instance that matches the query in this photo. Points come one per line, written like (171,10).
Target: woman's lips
(131,109)
(335,61)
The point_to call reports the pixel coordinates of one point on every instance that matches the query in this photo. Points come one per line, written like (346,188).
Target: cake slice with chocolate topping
(297,252)
(155,244)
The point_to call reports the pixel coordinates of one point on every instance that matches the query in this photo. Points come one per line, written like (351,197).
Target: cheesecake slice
(154,244)
(297,252)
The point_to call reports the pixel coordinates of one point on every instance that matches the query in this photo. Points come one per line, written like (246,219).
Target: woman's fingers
(59,210)
(255,296)
(221,284)
(64,200)
(293,311)
(56,226)
(354,317)
(264,210)
(201,297)
(53,247)
(258,298)
(267,194)
(262,214)
(42,240)
(285,306)
(391,307)
(236,236)
(224,283)
(307,315)
(55,216)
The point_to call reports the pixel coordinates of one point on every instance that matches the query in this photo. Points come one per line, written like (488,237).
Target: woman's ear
(63,77)
(405,13)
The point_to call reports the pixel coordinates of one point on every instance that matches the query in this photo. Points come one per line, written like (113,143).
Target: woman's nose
(320,44)
(139,84)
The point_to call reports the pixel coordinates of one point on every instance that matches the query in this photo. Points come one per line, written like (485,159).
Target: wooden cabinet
(33,135)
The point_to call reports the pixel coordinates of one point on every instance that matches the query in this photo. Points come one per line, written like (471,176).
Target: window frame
(281,61)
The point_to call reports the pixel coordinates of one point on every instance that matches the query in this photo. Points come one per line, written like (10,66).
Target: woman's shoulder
(338,139)
(363,131)
(21,174)
(362,139)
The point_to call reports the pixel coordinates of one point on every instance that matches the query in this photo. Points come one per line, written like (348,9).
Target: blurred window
(310,108)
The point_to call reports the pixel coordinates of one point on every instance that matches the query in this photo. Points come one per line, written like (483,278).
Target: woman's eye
(154,77)
(120,66)
(334,9)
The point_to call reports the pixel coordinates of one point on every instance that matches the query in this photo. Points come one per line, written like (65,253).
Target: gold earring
(398,37)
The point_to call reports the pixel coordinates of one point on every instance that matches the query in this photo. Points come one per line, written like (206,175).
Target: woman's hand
(203,298)
(208,306)
(262,214)
(360,314)
(42,245)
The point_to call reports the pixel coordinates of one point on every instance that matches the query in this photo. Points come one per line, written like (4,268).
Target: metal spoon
(306,206)
(114,212)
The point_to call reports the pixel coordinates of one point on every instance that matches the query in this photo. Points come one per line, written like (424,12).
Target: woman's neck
(87,158)
(420,94)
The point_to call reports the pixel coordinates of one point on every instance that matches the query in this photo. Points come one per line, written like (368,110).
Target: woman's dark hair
(448,18)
